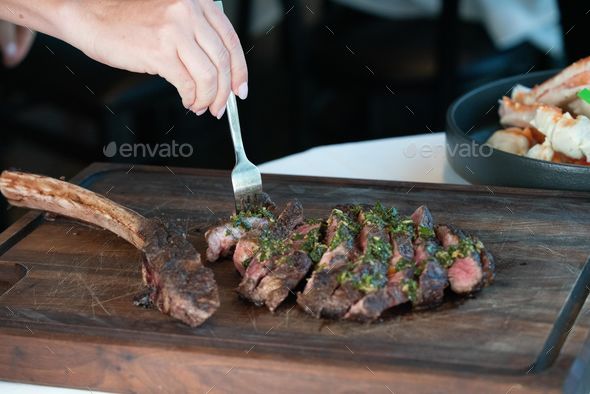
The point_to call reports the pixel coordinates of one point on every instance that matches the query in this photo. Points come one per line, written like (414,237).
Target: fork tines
(247,184)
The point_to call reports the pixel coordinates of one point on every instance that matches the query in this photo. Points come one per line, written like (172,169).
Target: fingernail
(10,50)
(201,112)
(221,112)
(243,91)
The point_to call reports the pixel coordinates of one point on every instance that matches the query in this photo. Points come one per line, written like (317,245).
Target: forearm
(45,16)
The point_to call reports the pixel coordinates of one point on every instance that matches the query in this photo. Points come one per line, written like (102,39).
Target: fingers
(24,41)
(203,74)
(219,56)
(8,43)
(225,30)
(15,41)
(178,76)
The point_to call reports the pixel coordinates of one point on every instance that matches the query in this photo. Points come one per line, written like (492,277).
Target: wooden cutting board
(70,320)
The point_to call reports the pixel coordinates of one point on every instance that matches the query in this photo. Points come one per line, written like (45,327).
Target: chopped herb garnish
(298,236)
(377,250)
(317,252)
(403,264)
(380,216)
(465,247)
(312,245)
(269,246)
(403,227)
(346,231)
(370,282)
(243,218)
(420,267)
(410,287)
(374,264)
(425,232)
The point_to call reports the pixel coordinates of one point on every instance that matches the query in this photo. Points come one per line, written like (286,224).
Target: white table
(419,158)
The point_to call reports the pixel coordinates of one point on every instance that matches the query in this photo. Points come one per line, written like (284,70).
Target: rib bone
(179,284)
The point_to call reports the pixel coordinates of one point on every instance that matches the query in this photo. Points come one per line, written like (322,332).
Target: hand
(191,43)
(15,42)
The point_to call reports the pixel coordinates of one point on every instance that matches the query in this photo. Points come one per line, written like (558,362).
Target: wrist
(44,16)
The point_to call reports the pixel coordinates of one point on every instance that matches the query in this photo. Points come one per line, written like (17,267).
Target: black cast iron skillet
(471,120)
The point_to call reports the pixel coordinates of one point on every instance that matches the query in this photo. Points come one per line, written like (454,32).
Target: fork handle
(234,119)
(234,127)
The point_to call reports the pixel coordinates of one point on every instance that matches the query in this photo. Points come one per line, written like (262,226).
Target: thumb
(8,43)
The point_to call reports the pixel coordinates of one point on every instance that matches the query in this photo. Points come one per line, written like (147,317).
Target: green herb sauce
(346,231)
(240,219)
(465,247)
(312,245)
(410,287)
(270,246)
(425,232)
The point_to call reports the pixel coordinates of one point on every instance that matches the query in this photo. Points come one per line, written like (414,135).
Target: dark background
(332,76)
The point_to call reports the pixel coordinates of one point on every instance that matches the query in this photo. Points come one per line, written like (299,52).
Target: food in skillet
(549,121)
(176,280)
(360,262)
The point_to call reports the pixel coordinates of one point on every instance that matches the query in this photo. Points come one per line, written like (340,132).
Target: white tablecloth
(418,158)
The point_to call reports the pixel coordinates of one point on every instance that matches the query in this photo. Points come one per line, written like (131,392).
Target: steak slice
(489,267)
(222,239)
(287,271)
(414,273)
(279,282)
(178,283)
(466,274)
(341,233)
(432,282)
(463,256)
(371,306)
(245,251)
(368,273)
(425,242)
(274,251)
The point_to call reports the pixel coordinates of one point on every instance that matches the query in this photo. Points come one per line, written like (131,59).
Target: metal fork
(245,176)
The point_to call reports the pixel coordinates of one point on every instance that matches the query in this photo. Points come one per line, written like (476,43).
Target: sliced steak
(425,242)
(368,273)
(277,265)
(341,233)
(447,235)
(363,291)
(222,239)
(286,272)
(466,274)
(432,282)
(278,283)
(245,251)
(402,247)
(489,267)
(414,273)
(371,306)
(461,256)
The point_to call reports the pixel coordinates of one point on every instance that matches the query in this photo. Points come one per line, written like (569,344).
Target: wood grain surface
(70,320)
